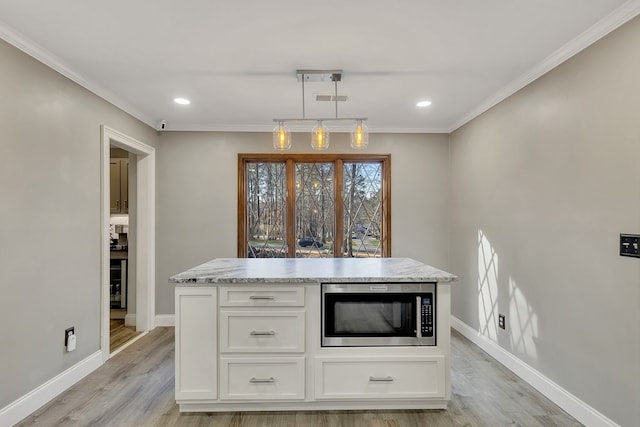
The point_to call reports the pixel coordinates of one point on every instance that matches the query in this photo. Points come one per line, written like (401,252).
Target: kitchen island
(249,338)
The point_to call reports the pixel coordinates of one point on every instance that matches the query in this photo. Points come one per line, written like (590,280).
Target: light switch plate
(629,245)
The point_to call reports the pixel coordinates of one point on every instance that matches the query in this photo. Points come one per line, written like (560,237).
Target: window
(313,206)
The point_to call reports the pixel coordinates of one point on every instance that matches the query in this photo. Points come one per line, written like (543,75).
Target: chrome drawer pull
(261,297)
(255,380)
(262,333)
(381,379)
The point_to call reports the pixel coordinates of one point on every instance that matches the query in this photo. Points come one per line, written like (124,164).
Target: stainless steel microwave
(378,314)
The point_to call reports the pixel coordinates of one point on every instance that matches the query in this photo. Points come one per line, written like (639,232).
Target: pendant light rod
(319,75)
(335,83)
(303,115)
(320,134)
(323,119)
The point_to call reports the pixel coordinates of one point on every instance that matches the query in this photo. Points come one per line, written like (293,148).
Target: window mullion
(291,209)
(386,208)
(242,208)
(339,209)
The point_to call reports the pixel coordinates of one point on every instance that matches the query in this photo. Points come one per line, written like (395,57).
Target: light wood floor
(119,334)
(135,388)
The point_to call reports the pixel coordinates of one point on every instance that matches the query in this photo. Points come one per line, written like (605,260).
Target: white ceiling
(236,60)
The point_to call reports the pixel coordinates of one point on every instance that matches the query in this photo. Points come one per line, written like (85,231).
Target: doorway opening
(122,324)
(128,240)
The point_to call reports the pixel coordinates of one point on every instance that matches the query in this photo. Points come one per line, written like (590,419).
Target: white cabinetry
(119,185)
(262,329)
(380,377)
(196,344)
(262,378)
(262,296)
(258,348)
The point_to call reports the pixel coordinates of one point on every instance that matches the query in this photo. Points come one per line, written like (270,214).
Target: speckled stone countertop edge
(221,271)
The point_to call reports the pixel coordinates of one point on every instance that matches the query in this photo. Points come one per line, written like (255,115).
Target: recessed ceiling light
(182,101)
(423,104)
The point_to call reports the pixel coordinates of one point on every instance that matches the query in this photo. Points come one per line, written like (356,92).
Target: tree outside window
(313,206)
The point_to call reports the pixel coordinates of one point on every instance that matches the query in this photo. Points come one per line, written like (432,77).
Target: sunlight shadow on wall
(487,288)
(521,319)
(524,322)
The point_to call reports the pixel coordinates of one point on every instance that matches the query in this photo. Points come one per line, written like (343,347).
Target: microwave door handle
(418,317)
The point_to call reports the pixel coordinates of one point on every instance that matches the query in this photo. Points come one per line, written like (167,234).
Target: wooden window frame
(338,160)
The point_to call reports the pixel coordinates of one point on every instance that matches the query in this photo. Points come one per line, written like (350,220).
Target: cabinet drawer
(397,377)
(262,379)
(264,331)
(263,296)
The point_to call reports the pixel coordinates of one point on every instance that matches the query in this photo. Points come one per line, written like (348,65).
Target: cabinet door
(119,185)
(124,185)
(196,345)
(114,185)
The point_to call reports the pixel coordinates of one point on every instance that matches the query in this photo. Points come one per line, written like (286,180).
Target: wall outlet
(502,322)
(630,245)
(70,338)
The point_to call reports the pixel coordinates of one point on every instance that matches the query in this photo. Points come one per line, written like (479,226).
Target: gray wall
(49,219)
(197,196)
(542,185)
(534,194)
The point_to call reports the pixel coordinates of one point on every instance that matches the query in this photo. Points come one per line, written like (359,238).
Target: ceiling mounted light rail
(320,134)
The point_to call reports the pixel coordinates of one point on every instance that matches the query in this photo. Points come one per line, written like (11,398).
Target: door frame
(144,231)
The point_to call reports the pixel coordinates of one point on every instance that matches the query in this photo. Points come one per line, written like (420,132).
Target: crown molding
(615,19)
(180,127)
(18,40)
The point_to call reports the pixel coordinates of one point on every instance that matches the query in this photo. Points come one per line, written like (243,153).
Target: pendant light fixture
(320,134)
(320,137)
(359,136)
(281,137)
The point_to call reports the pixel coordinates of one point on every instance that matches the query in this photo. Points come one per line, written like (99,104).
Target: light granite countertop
(310,270)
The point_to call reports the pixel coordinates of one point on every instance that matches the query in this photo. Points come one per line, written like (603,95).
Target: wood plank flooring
(119,334)
(136,388)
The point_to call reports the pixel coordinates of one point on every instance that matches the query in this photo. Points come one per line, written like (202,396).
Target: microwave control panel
(427,315)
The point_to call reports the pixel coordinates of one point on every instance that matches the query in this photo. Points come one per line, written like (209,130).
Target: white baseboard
(32,401)
(130,320)
(165,320)
(558,395)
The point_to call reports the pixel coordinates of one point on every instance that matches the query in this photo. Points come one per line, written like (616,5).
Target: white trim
(105,239)
(166,320)
(186,127)
(145,230)
(193,405)
(20,41)
(619,16)
(36,398)
(145,242)
(554,392)
(130,320)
